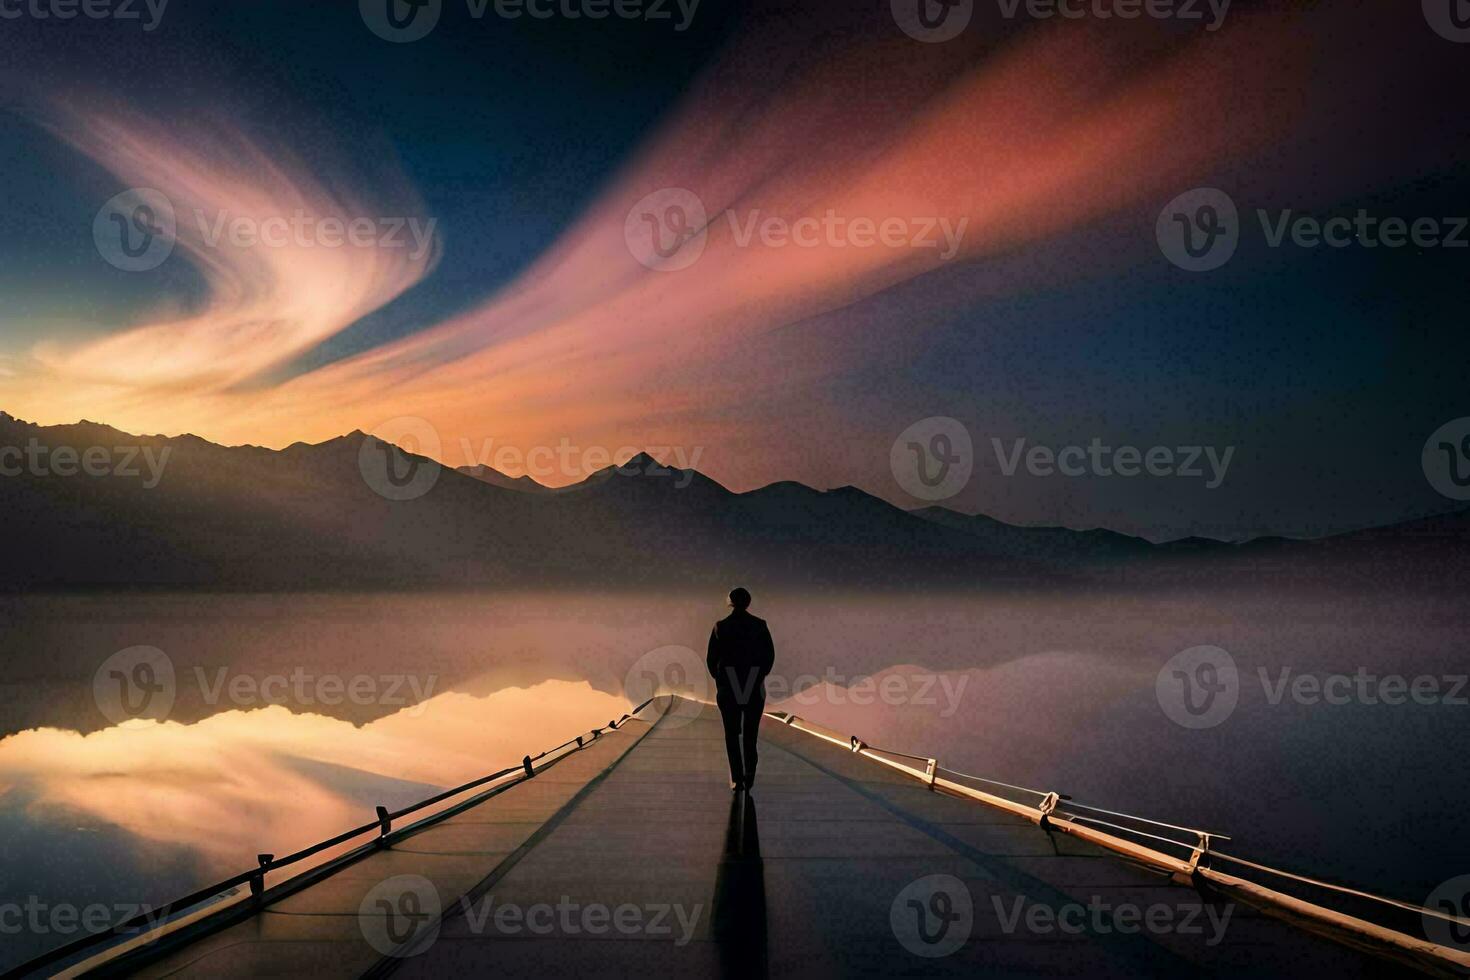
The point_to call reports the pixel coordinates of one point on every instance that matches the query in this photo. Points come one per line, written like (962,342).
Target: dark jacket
(740,656)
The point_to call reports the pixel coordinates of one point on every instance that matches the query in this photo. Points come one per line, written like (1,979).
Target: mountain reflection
(241,782)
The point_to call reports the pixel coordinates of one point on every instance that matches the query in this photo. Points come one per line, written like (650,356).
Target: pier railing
(1186,854)
(154,921)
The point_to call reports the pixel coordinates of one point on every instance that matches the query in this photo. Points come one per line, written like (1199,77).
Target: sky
(860,227)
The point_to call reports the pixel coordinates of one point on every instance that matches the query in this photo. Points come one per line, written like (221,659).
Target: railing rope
(1319,883)
(1157,823)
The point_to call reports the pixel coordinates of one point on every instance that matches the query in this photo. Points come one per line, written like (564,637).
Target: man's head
(739,600)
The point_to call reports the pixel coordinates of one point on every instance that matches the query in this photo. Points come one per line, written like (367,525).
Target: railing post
(257,880)
(1047,806)
(385,822)
(527,763)
(1199,854)
(857,744)
(931,769)
(579,741)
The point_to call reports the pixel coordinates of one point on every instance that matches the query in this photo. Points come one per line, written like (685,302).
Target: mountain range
(186,513)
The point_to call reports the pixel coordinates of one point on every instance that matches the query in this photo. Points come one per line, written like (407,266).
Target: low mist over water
(287,718)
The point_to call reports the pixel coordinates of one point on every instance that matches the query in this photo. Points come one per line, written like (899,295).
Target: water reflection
(241,782)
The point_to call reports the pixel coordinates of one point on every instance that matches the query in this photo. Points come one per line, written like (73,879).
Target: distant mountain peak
(640,461)
(489,474)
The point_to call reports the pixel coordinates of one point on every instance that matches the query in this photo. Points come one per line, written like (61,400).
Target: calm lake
(150,744)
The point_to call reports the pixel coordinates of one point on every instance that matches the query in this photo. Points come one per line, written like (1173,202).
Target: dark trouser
(742,722)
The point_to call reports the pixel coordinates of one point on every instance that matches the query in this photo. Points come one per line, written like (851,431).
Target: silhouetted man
(740,656)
